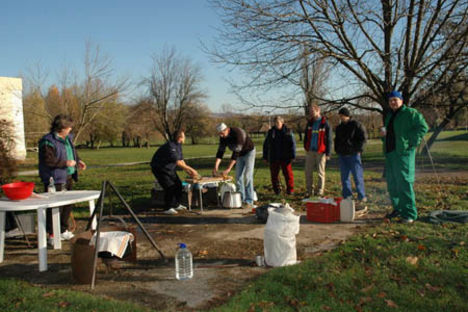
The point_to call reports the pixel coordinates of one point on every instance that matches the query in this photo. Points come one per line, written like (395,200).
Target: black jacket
(279,145)
(350,138)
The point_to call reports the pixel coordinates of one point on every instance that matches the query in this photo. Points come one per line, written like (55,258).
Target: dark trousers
(171,185)
(286,168)
(65,211)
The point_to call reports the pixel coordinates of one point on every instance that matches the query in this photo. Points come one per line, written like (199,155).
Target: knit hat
(344,111)
(395,94)
(221,127)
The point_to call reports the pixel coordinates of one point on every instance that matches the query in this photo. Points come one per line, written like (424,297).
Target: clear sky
(53,33)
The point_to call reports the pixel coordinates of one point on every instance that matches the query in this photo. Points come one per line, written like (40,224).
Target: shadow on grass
(460,137)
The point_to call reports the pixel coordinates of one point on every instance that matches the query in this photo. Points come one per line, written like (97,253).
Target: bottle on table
(51,186)
(183,263)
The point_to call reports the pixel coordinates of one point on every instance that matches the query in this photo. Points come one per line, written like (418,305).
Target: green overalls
(409,128)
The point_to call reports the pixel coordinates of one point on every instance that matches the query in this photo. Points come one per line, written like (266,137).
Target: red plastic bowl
(18,190)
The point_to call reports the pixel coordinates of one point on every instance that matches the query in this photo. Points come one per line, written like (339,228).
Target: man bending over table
(164,164)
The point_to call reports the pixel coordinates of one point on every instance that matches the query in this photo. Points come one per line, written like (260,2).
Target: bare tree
(376,46)
(174,88)
(200,124)
(82,96)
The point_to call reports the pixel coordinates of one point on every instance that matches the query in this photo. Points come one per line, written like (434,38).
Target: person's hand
(226,172)
(193,173)
(215,172)
(328,157)
(81,165)
(383,131)
(71,163)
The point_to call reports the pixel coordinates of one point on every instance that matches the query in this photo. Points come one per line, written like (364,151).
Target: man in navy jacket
(279,150)
(164,164)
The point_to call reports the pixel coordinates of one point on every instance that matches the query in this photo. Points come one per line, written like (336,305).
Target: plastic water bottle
(51,187)
(183,263)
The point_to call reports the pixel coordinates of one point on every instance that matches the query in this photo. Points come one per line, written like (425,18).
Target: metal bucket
(232,200)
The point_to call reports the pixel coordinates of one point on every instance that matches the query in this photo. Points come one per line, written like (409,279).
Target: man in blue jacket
(164,164)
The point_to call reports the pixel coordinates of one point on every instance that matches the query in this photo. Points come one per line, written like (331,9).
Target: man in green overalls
(404,130)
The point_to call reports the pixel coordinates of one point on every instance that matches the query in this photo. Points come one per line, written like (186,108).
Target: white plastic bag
(280,237)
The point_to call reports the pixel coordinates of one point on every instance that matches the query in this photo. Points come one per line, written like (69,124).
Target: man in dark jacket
(243,156)
(59,160)
(350,138)
(164,164)
(317,145)
(279,150)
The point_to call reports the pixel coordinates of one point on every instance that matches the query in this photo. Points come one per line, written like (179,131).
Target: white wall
(11,109)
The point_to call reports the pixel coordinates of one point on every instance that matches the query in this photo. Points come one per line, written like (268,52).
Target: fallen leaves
(391,303)
(367,289)
(412,260)
(64,304)
(432,288)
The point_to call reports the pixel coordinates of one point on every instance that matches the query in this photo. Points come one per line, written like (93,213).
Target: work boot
(393,214)
(406,221)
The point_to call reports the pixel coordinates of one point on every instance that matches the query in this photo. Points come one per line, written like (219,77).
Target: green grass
(389,268)
(370,272)
(22,296)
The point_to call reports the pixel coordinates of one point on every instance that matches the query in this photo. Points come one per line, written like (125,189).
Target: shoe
(248,206)
(364,200)
(406,221)
(361,208)
(13,233)
(170,211)
(67,235)
(180,207)
(393,214)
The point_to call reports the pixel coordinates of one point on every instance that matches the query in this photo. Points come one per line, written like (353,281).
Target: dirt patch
(224,244)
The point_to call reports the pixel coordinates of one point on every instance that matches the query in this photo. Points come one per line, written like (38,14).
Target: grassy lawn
(389,267)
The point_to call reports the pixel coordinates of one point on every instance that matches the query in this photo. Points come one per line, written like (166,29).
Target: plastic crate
(322,212)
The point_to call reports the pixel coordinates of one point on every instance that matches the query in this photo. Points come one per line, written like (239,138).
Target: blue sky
(53,33)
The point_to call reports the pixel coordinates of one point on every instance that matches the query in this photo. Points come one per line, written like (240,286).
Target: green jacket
(409,126)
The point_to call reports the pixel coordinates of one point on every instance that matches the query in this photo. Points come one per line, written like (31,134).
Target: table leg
(2,234)
(200,194)
(189,197)
(42,239)
(91,210)
(56,228)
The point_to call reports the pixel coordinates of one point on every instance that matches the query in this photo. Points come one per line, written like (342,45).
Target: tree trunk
(440,128)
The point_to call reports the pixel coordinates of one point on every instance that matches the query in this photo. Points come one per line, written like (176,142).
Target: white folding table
(40,205)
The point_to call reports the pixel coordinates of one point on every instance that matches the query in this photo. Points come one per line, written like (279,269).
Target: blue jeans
(244,171)
(352,164)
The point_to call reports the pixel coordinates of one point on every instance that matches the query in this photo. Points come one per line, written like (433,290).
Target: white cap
(221,127)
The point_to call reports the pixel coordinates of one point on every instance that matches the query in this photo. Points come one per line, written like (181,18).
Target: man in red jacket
(317,145)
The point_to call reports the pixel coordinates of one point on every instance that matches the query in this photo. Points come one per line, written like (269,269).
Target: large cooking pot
(232,200)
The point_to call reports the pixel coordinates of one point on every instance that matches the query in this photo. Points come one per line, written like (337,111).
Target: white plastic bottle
(51,187)
(183,263)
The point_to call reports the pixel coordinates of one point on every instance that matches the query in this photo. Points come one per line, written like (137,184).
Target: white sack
(280,237)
